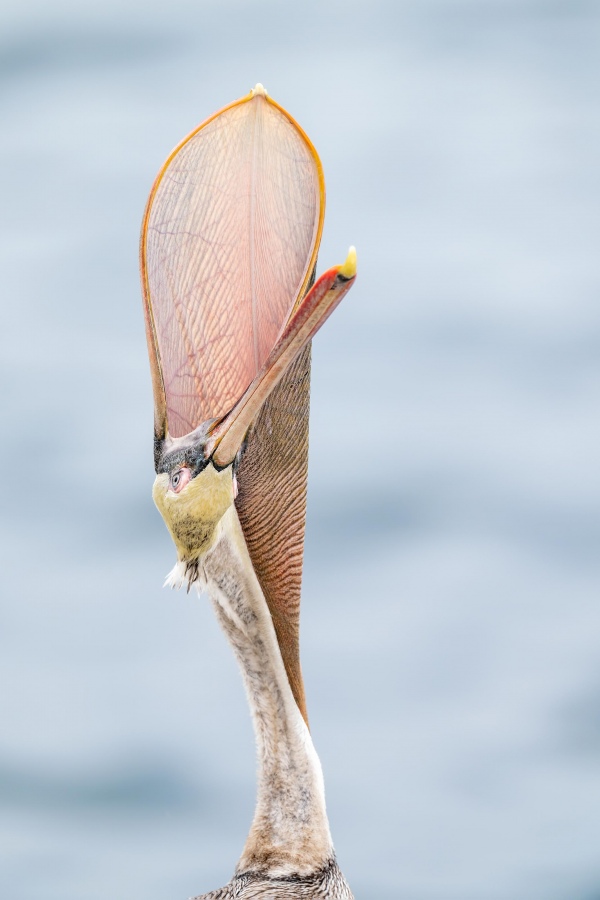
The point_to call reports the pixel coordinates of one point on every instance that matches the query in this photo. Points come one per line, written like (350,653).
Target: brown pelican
(228,251)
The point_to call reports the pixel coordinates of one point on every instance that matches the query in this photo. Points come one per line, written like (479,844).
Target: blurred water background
(451,624)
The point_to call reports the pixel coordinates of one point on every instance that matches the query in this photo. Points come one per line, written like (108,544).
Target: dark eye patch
(192,457)
(189,450)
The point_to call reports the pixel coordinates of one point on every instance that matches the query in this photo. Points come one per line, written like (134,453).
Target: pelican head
(192,495)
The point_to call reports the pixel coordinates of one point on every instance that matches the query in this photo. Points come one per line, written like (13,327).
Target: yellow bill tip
(259,91)
(348,270)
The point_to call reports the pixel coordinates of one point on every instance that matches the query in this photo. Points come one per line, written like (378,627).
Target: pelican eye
(179,478)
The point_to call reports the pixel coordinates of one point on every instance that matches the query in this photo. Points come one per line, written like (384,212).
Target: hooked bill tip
(259,91)
(348,270)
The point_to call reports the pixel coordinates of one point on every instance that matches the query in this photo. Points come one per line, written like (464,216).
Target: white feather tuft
(176,577)
(182,575)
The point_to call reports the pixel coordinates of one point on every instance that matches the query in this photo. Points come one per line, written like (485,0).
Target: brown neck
(290,831)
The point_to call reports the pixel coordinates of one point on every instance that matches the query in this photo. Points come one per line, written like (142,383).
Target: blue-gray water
(451,630)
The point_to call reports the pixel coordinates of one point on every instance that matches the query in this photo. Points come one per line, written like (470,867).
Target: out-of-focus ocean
(451,613)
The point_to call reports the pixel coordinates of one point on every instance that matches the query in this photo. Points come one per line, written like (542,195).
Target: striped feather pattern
(324,884)
(271,506)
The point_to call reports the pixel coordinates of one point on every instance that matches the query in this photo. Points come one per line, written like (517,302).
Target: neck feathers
(290,832)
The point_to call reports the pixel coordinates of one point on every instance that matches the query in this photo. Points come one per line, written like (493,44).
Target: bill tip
(348,270)
(259,90)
